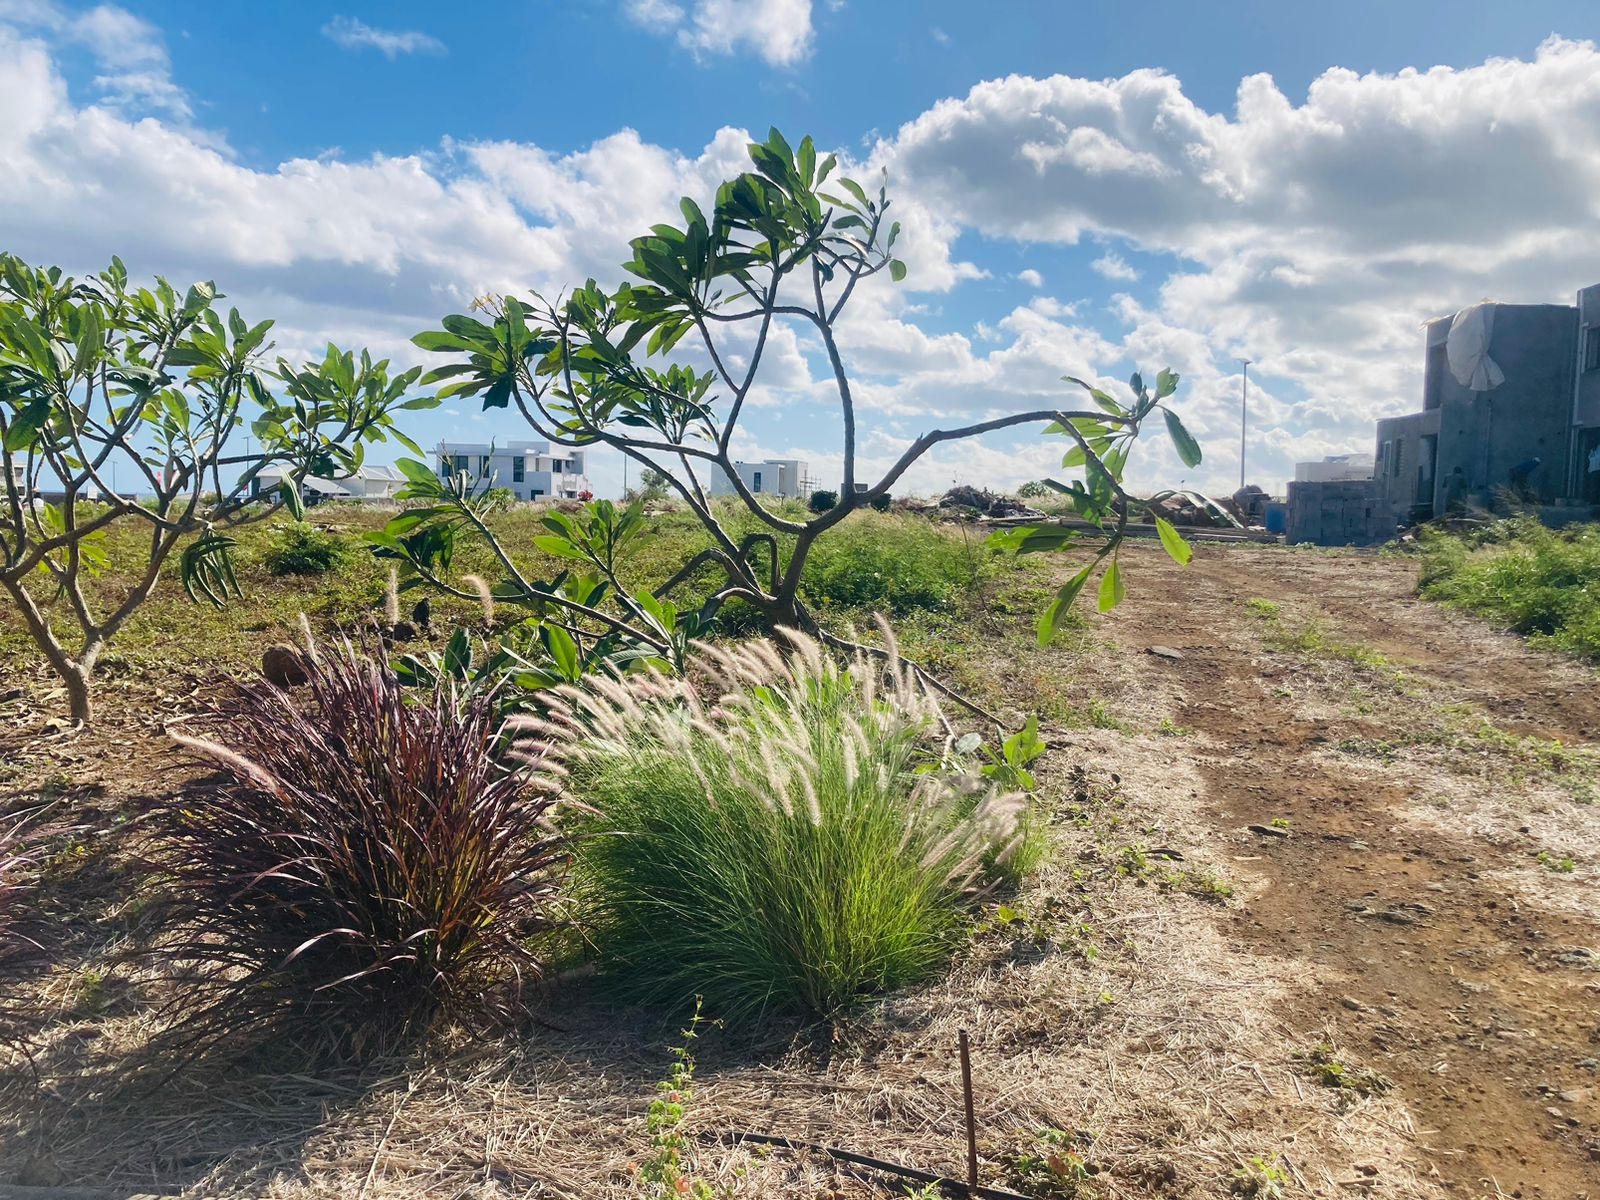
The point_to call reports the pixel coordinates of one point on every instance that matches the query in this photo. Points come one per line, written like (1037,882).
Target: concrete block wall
(1344,512)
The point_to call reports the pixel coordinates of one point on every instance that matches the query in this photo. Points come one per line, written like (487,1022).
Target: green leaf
(1166,383)
(458,655)
(1172,542)
(1030,539)
(27,423)
(290,489)
(563,651)
(897,270)
(806,160)
(1051,617)
(1112,590)
(1188,449)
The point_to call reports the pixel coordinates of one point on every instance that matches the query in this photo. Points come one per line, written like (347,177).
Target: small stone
(1575,1095)
(1556,1113)
(1352,1004)
(1268,831)
(283,667)
(1166,652)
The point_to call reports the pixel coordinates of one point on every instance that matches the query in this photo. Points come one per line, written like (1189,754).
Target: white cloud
(778,31)
(1310,236)
(353,34)
(659,15)
(1313,237)
(1112,265)
(130,56)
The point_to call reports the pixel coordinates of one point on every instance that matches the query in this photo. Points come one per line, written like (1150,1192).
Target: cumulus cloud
(777,31)
(1112,265)
(353,34)
(1311,236)
(130,55)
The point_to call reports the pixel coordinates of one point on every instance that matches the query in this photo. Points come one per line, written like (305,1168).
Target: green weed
(1538,581)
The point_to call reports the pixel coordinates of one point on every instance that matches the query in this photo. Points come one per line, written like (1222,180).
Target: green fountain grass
(793,847)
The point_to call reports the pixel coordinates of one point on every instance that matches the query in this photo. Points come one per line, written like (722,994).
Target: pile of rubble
(986,503)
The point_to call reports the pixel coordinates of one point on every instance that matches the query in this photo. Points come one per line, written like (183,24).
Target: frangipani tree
(789,241)
(96,375)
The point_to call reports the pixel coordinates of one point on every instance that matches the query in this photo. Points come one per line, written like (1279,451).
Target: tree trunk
(79,705)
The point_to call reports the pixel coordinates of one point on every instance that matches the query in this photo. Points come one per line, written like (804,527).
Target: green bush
(302,549)
(781,836)
(1538,581)
(822,500)
(891,564)
(882,503)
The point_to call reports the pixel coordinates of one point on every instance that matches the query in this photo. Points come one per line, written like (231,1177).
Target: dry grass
(1161,1050)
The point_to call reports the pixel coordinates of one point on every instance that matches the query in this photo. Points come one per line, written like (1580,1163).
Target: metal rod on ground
(972,1127)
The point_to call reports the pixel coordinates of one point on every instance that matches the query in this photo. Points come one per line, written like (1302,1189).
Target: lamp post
(1244,414)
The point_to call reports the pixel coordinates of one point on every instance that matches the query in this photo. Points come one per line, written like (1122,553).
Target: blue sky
(1087,186)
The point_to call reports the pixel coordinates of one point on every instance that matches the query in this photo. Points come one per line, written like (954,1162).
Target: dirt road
(1409,900)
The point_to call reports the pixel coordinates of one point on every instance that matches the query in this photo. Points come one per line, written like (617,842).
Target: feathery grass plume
(774,830)
(367,859)
(485,596)
(391,598)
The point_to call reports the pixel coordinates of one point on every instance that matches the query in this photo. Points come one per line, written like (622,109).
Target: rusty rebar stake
(972,1126)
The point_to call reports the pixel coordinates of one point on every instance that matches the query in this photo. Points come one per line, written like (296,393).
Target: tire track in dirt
(1416,958)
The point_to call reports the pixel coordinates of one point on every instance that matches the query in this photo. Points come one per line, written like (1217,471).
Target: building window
(1591,348)
(483,465)
(535,493)
(460,461)
(755,485)
(519,466)
(1433,385)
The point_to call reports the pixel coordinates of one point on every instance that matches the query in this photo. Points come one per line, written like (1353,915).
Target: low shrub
(366,857)
(302,549)
(776,833)
(891,564)
(822,500)
(1538,581)
(882,503)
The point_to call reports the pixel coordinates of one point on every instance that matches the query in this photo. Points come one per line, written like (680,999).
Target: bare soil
(1407,903)
(1404,768)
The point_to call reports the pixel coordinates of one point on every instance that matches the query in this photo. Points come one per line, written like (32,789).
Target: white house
(368,483)
(530,469)
(785,478)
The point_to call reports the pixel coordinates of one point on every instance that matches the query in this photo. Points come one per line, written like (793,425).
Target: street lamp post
(1244,414)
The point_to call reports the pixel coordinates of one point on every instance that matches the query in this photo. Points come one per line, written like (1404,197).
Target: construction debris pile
(986,503)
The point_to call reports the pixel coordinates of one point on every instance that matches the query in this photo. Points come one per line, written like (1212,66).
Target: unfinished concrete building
(1511,402)
(1496,413)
